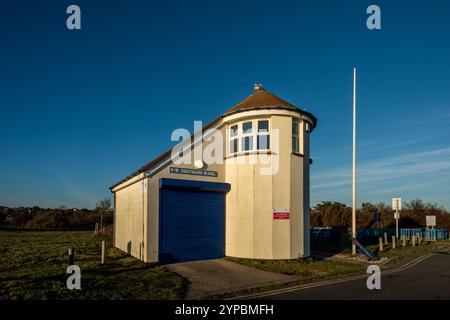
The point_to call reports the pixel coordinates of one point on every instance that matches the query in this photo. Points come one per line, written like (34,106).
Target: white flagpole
(354,166)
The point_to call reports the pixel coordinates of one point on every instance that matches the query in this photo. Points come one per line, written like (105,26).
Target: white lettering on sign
(194,172)
(281,214)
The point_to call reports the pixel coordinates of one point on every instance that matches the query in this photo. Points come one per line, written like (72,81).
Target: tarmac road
(428,278)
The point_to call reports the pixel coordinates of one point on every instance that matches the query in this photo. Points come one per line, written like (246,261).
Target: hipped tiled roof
(261,99)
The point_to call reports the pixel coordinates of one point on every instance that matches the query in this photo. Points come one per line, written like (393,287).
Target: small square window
(247,127)
(263,126)
(295,138)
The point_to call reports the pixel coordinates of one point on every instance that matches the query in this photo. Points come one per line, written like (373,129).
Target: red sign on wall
(280,215)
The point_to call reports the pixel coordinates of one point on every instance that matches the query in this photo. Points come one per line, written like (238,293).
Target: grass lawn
(306,269)
(33,266)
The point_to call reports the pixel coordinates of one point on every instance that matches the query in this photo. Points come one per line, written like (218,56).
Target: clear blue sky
(82,109)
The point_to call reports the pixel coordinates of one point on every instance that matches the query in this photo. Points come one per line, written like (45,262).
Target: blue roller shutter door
(192,220)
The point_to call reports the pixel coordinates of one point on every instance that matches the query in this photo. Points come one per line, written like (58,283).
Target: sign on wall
(194,172)
(281,214)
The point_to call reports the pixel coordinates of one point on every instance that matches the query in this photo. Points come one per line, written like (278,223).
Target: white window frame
(231,138)
(247,135)
(258,134)
(241,135)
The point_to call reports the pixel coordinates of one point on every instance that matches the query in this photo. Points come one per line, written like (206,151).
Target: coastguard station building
(253,202)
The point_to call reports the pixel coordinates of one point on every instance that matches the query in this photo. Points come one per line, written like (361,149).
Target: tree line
(336,214)
(324,214)
(36,218)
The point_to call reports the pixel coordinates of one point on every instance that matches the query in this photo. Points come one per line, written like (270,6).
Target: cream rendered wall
(281,189)
(263,199)
(130,214)
(239,230)
(248,209)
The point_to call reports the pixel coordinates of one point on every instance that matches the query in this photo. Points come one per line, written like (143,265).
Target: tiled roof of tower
(258,100)
(261,99)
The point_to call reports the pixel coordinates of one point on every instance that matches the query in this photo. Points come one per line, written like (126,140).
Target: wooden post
(385,238)
(380,240)
(413,242)
(394,245)
(71,257)
(103,251)
(403,241)
(96,228)
(419,239)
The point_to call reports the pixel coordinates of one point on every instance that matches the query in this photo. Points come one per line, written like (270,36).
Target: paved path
(427,277)
(216,277)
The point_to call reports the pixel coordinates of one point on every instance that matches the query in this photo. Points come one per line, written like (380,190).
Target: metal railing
(338,238)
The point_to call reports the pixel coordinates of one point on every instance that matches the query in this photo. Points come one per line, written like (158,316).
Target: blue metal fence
(329,233)
(426,234)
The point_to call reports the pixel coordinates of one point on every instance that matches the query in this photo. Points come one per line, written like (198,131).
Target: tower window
(249,136)
(295,137)
(263,136)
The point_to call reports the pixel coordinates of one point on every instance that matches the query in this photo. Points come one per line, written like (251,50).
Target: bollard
(413,241)
(403,241)
(394,244)
(71,257)
(419,239)
(103,251)
(380,240)
(385,238)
